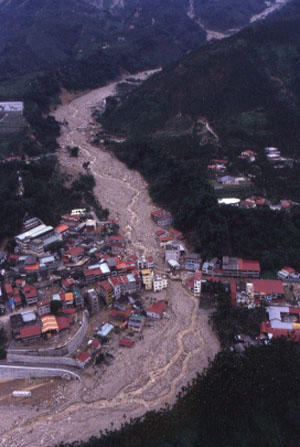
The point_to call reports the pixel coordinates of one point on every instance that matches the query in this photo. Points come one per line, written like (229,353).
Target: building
(83,359)
(147,279)
(74,254)
(115,282)
(156,310)
(93,300)
(172,251)
(136,322)
(41,232)
(30,333)
(267,290)
(126,342)
(238,267)
(197,284)
(106,291)
(30,294)
(283,321)
(162,218)
(160,282)
(79,300)
(43,307)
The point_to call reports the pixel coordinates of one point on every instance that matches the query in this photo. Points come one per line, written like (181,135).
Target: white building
(160,282)
(197,284)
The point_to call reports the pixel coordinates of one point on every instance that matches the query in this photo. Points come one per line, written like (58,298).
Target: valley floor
(168,356)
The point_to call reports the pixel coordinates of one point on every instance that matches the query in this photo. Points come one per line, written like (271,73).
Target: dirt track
(169,356)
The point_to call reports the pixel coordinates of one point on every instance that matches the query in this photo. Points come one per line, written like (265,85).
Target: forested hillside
(247,87)
(246,400)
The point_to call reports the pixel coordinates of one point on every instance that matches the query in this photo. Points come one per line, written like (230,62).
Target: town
(74,294)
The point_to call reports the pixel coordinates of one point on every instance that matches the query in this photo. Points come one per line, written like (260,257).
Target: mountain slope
(247,86)
(239,93)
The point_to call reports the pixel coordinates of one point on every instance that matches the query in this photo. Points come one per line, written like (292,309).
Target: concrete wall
(11,372)
(67,349)
(21,358)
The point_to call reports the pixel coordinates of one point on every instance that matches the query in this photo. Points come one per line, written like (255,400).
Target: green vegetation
(234,83)
(229,321)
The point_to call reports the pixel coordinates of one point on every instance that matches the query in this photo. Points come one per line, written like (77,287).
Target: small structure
(105,330)
(83,359)
(126,342)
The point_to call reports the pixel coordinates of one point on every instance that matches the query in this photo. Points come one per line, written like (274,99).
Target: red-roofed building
(91,275)
(68,283)
(119,315)
(28,333)
(74,254)
(63,323)
(238,267)
(156,310)
(30,293)
(83,359)
(268,289)
(162,218)
(126,342)
(160,232)
(62,231)
(32,268)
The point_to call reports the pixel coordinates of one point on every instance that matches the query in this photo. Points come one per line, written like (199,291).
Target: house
(136,322)
(156,310)
(93,300)
(126,342)
(120,315)
(83,359)
(94,346)
(160,282)
(106,291)
(43,307)
(30,294)
(268,290)
(74,254)
(147,279)
(116,283)
(162,218)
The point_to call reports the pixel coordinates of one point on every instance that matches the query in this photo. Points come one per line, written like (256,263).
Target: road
(170,354)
